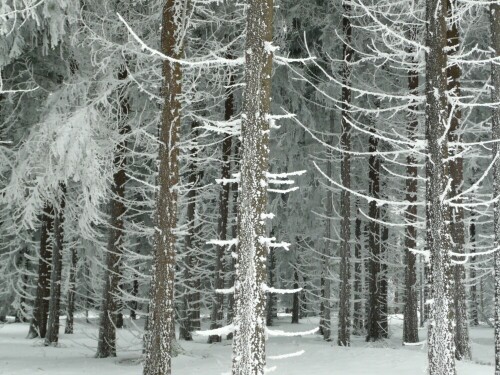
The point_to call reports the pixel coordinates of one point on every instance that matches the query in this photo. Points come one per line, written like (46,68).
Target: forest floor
(74,355)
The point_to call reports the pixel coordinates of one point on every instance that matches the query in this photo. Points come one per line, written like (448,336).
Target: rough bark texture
(344,337)
(234,234)
(325,322)
(161,310)
(186,326)
(110,306)
(474,305)
(70,305)
(38,326)
(374,328)
(441,345)
(457,213)
(358,324)
(52,336)
(495,97)
(410,324)
(217,315)
(249,356)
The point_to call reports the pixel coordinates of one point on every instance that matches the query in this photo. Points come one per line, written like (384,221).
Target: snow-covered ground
(74,356)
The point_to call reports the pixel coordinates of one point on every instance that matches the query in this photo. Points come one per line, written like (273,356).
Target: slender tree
(441,346)
(344,337)
(495,120)
(249,356)
(38,326)
(161,308)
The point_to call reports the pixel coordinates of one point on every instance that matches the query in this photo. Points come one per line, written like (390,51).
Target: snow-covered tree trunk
(249,356)
(495,97)
(474,306)
(52,336)
(160,332)
(441,345)
(38,326)
(110,304)
(344,337)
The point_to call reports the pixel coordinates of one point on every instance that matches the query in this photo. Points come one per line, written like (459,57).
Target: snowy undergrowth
(74,356)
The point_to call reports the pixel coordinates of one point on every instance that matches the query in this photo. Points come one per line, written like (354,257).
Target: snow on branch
(218,61)
(268,241)
(217,331)
(380,202)
(286,191)
(229,243)
(280,333)
(269,289)
(225,291)
(285,356)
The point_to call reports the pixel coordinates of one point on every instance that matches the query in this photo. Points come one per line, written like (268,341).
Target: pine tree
(249,355)
(441,346)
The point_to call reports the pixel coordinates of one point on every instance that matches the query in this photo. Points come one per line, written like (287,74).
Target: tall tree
(410,326)
(52,336)
(161,318)
(344,337)
(249,356)
(456,168)
(441,345)
(495,120)
(110,304)
(38,326)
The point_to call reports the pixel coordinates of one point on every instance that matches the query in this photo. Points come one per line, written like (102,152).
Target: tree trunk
(441,345)
(358,287)
(271,298)
(326,319)
(410,324)
(495,97)
(161,309)
(110,305)
(38,326)
(217,315)
(344,337)
(295,300)
(234,234)
(249,356)
(70,308)
(474,316)
(374,331)
(462,347)
(52,336)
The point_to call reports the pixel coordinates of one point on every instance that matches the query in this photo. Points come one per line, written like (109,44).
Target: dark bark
(70,305)
(52,336)
(441,346)
(358,324)
(38,326)
(495,97)
(110,304)
(462,347)
(374,331)
(344,337)
(474,306)
(295,300)
(188,314)
(410,324)
(161,310)
(217,315)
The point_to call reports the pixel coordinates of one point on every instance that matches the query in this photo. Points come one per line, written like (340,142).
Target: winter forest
(243,187)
